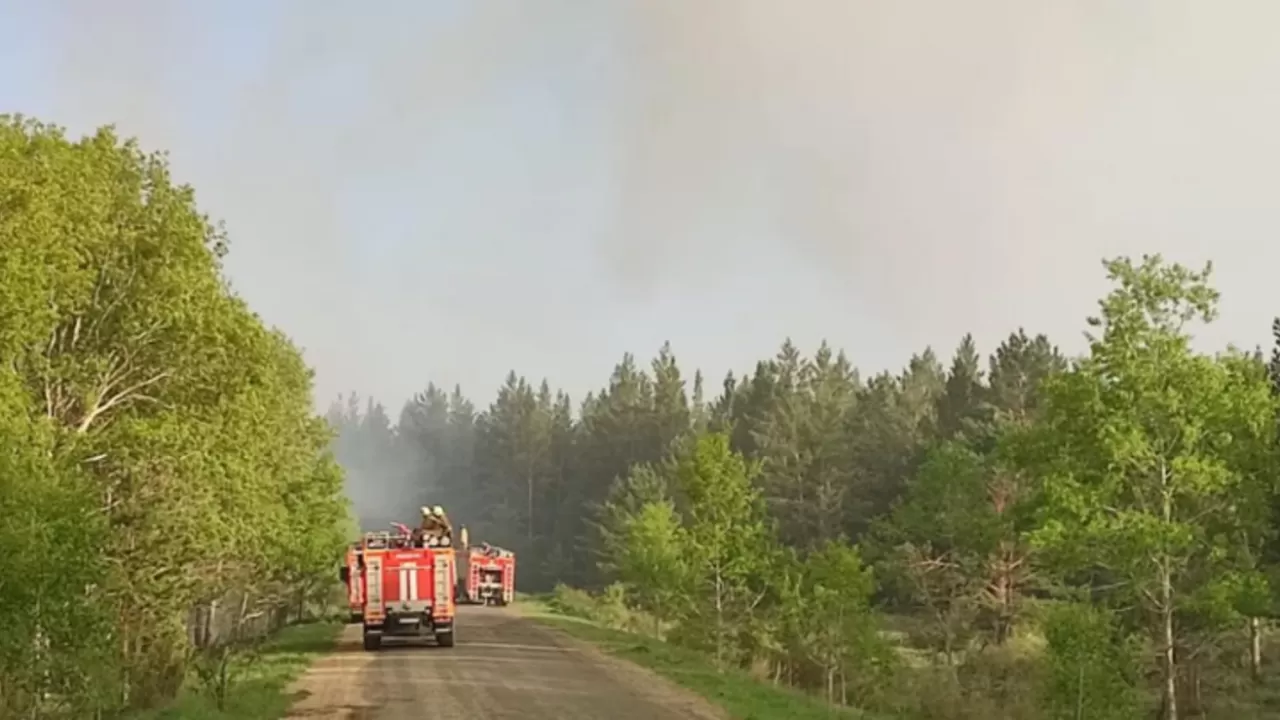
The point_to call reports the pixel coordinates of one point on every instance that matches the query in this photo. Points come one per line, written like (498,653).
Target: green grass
(258,692)
(534,606)
(742,696)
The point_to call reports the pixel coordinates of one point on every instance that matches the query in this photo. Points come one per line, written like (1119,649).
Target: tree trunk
(529,484)
(719,621)
(239,630)
(211,623)
(1170,656)
(1166,608)
(1255,649)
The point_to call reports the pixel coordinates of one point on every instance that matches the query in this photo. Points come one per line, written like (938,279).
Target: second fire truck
(487,575)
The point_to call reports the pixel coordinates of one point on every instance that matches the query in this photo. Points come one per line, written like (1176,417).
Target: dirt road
(503,667)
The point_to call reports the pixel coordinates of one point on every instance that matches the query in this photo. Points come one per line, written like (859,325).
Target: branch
(115,302)
(129,393)
(929,564)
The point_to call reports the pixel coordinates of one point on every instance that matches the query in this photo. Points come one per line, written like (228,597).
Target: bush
(1091,670)
(611,608)
(573,602)
(608,609)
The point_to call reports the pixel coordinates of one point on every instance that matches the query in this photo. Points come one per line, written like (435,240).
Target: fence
(239,617)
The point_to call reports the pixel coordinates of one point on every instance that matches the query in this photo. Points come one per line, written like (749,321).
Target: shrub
(1091,669)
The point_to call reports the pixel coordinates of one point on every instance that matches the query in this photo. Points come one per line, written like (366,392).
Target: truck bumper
(402,626)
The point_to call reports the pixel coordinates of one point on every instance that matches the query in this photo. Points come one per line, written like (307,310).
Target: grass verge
(258,692)
(740,695)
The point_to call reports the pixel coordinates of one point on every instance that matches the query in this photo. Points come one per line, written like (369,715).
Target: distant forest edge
(1029,526)
(837,449)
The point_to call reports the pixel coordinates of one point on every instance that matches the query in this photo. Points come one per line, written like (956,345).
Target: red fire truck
(490,575)
(406,588)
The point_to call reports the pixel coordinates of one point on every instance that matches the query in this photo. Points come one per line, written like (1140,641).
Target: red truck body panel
(407,591)
(409,580)
(355,584)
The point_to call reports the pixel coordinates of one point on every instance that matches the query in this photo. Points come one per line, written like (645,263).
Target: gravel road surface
(504,667)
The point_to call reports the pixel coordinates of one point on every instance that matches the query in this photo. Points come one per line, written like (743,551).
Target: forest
(1028,535)
(166,488)
(1025,535)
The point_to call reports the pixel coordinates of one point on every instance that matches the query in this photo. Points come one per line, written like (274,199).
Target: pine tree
(961,404)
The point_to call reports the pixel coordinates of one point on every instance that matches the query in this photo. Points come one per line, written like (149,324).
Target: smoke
(953,165)
(448,189)
(325,138)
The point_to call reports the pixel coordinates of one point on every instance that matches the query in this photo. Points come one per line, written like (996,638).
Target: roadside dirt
(503,667)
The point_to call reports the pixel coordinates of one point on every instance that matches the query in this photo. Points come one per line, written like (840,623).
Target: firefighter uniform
(435,523)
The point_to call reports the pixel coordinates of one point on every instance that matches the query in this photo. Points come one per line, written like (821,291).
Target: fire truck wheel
(445,639)
(372,641)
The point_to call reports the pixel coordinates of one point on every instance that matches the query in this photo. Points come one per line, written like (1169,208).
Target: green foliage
(572,602)
(948,504)
(608,608)
(710,569)
(56,638)
(257,681)
(1149,439)
(839,631)
(729,546)
(162,437)
(1092,670)
(975,490)
(649,551)
(739,694)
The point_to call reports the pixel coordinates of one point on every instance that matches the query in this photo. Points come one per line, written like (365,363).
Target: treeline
(528,472)
(158,448)
(1034,536)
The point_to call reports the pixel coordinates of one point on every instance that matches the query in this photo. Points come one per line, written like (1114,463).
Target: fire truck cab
(407,588)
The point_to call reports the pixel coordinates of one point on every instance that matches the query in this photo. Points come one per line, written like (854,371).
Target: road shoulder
(262,687)
(658,687)
(729,694)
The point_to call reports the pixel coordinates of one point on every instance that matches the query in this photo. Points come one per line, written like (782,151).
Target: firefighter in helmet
(435,523)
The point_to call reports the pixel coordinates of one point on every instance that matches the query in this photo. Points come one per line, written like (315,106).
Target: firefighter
(435,523)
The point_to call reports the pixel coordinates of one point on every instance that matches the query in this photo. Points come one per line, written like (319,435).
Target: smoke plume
(453,188)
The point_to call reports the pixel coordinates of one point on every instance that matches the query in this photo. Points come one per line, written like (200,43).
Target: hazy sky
(447,189)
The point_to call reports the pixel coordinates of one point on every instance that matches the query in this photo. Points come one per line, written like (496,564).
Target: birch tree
(169,432)
(729,545)
(1138,441)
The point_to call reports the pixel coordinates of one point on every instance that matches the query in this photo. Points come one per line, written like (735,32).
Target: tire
(372,641)
(445,639)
